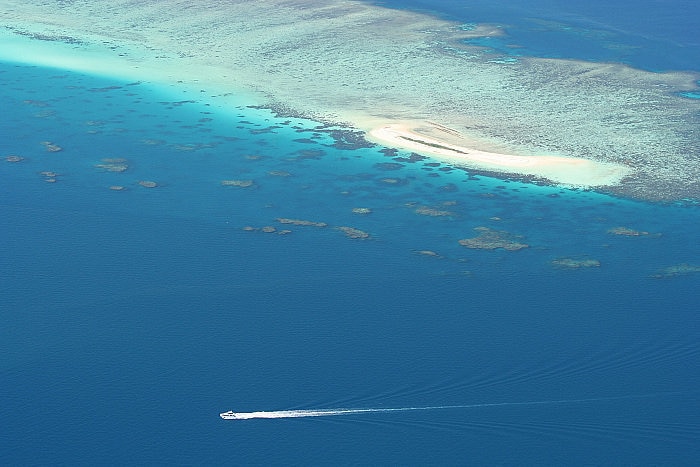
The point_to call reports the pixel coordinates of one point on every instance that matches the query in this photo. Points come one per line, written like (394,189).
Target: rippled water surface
(133,314)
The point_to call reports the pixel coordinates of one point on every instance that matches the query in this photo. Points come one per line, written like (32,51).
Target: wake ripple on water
(230,415)
(607,364)
(592,419)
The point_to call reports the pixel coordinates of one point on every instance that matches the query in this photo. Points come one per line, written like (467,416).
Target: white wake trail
(310,413)
(230,415)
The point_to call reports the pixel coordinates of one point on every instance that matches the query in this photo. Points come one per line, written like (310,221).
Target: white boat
(230,415)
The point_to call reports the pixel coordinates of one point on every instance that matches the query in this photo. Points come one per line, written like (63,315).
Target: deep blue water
(655,35)
(131,318)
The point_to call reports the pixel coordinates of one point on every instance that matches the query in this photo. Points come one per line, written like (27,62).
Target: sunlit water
(132,318)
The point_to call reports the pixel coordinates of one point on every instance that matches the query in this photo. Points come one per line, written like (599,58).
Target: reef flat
(370,67)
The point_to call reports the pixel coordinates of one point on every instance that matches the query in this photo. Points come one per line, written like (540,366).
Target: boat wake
(311,413)
(230,415)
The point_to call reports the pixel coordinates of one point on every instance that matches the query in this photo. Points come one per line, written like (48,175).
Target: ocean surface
(133,313)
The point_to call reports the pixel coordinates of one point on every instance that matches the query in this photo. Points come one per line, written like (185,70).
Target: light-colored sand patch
(562,170)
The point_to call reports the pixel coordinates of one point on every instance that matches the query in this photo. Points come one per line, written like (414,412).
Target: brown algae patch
(490,239)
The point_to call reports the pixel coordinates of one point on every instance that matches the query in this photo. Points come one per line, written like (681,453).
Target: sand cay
(567,171)
(406,78)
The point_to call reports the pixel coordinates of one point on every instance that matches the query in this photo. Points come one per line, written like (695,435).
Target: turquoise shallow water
(131,318)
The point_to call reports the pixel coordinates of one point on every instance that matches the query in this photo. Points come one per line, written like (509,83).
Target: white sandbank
(567,171)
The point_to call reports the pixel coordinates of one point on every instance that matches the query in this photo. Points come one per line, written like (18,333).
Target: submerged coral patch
(51,147)
(433,212)
(238,183)
(429,253)
(284,220)
(628,232)
(279,173)
(362,211)
(682,269)
(352,232)
(490,239)
(113,164)
(575,263)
